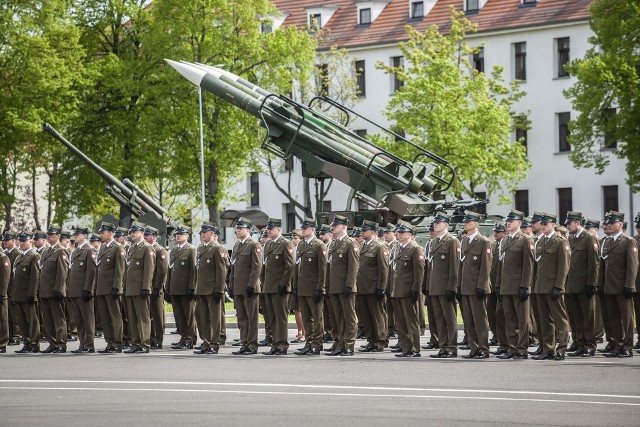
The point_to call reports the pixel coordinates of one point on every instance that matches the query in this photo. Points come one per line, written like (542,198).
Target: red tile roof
(389,26)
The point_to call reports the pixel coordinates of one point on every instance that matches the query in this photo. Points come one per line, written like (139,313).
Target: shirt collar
(550,235)
(615,236)
(578,233)
(473,236)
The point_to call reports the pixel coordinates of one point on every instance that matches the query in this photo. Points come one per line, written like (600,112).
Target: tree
(457,112)
(606,93)
(227,35)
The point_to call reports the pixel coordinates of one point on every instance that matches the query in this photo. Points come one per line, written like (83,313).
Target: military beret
(324,229)
(614,217)
(149,230)
(9,235)
(296,232)
(244,223)
(442,217)
(23,236)
(182,229)
(39,234)
(536,217)
(107,226)
(65,233)
(137,226)
(380,231)
(390,228)
(81,230)
(209,226)
(574,216)
(526,222)
(54,229)
(548,217)
(499,227)
(472,216)
(591,223)
(339,219)
(356,232)
(369,225)
(121,232)
(94,238)
(514,215)
(308,222)
(274,222)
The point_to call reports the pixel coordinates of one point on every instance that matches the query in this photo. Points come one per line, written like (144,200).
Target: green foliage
(608,77)
(455,112)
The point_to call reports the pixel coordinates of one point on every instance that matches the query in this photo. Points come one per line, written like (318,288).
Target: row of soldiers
(374,282)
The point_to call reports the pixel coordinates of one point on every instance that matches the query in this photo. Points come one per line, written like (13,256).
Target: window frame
(520,61)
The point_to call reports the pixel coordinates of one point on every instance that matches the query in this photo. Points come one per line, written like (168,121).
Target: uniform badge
(182,263)
(162,256)
(339,255)
(531,247)
(277,256)
(24,269)
(324,253)
(355,249)
(93,255)
(458,249)
(64,257)
(81,263)
(108,260)
(291,250)
(258,250)
(137,262)
(566,248)
(595,246)
(6,263)
(475,258)
(385,253)
(442,256)
(420,257)
(152,253)
(208,260)
(634,249)
(121,253)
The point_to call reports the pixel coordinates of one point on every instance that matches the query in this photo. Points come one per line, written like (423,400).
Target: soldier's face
(548,227)
(440,227)
(95,244)
(206,236)
(150,238)
(470,227)
(295,240)
(136,235)
(105,236)
(274,232)
(53,238)
(513,226)
(242,233)
(389,237)
(536,227)
(308,232)
(39,242)
(25,245)
(338,229)
(65,243)
(368,235)
(498,235)
(121,239)
(573,226)
(404,236)
(180,238)
(326,237)
(9,244)
(615,227)
(80,238)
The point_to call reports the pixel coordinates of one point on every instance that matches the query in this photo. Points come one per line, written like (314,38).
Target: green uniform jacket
(619,264)
(343,265)
(211,265)
(246,265)
(182,270)
(141,264)
(408,270)
(162,267)
(374,268)
(111,268)
(26,276)
(5,275)
(54,268)
(82,271)
(311,266)
(475,265)
(552,263)
(516,264)
(278,265)
(583,268)
(444,268)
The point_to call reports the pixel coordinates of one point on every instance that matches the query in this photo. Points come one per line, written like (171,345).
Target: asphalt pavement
(177,387)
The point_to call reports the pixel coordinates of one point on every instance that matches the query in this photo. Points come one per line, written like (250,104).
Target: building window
(362,133)
(288,164)
(610,198)
(609,140)
(290,213)
(365,16)
(472,6)
(315,22)
(563,58)
(520,64)
(529,2)
(254,188)
(481,208)
(563,132)
(361,89)
(322,80)
(521,131)
(417,10)
(522,201)
(266,27)
(565,201)
(396,62)
(478,60)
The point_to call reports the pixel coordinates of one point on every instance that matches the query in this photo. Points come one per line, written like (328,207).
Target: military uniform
(5,277)
(14,325)
(431,319)
(391,324)
(246,265)
(211,267)
(277,273)
(156,303)
(111,265)
(308,288)
(372,281)
(408,274)
(141,260)
(26,276)
(81,289)
(54,268)
(444,270)
(617,277)
(343,268)
(513,286)
(495,310)
(475,266)
(552,259)
(181,285)
(582,281)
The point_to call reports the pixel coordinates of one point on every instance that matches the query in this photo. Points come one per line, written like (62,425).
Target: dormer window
(270,23)
(315,21)
(473,6)
(417,9)
(369,10)
(319,16)
(528,3)
(365,16)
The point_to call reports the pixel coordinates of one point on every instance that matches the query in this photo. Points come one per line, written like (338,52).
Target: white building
(530,39)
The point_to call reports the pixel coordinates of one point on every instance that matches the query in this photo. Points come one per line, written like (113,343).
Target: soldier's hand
(317,296)
(282,290)
(217,297)
(425,291)
(449,295)
(627,292)
(524,294)
(555,294)
(347,291)
(387,292)
(250,291)
(480,293)
(57,296)
(167,297)
(459,296)
(11,301)
(144,293)
(498,296)
(114,293)
(155,293)
(380,293)
(31,299)
(589,291)
(413,295)
(191,294)
(2,300)
(600,291)
(86,295)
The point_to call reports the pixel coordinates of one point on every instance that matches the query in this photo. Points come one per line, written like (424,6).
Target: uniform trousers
(598,316)
(139,321)
(446,323)
(501,329)
(474,316)
(156,312)
(4,322)
(55,324)
(582,310)
(373,319)
(604,315)
(208,320)
(516,321)
(111,318)
(555,324)
(277,311)
(14,323)
(391,320)
(535,330)
(344,308)
(329,319)
(491,314)
(431,318)
(29,323)
(636,311)
(620,319)
(85,316)
(247,310)
(408,324)
(268,327)
(184,308)
(312,319)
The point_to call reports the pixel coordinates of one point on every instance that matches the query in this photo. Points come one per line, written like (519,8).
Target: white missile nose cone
(208,69)
(188,71)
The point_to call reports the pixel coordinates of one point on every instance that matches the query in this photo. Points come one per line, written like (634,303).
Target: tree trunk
(212,184)
(34,198)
